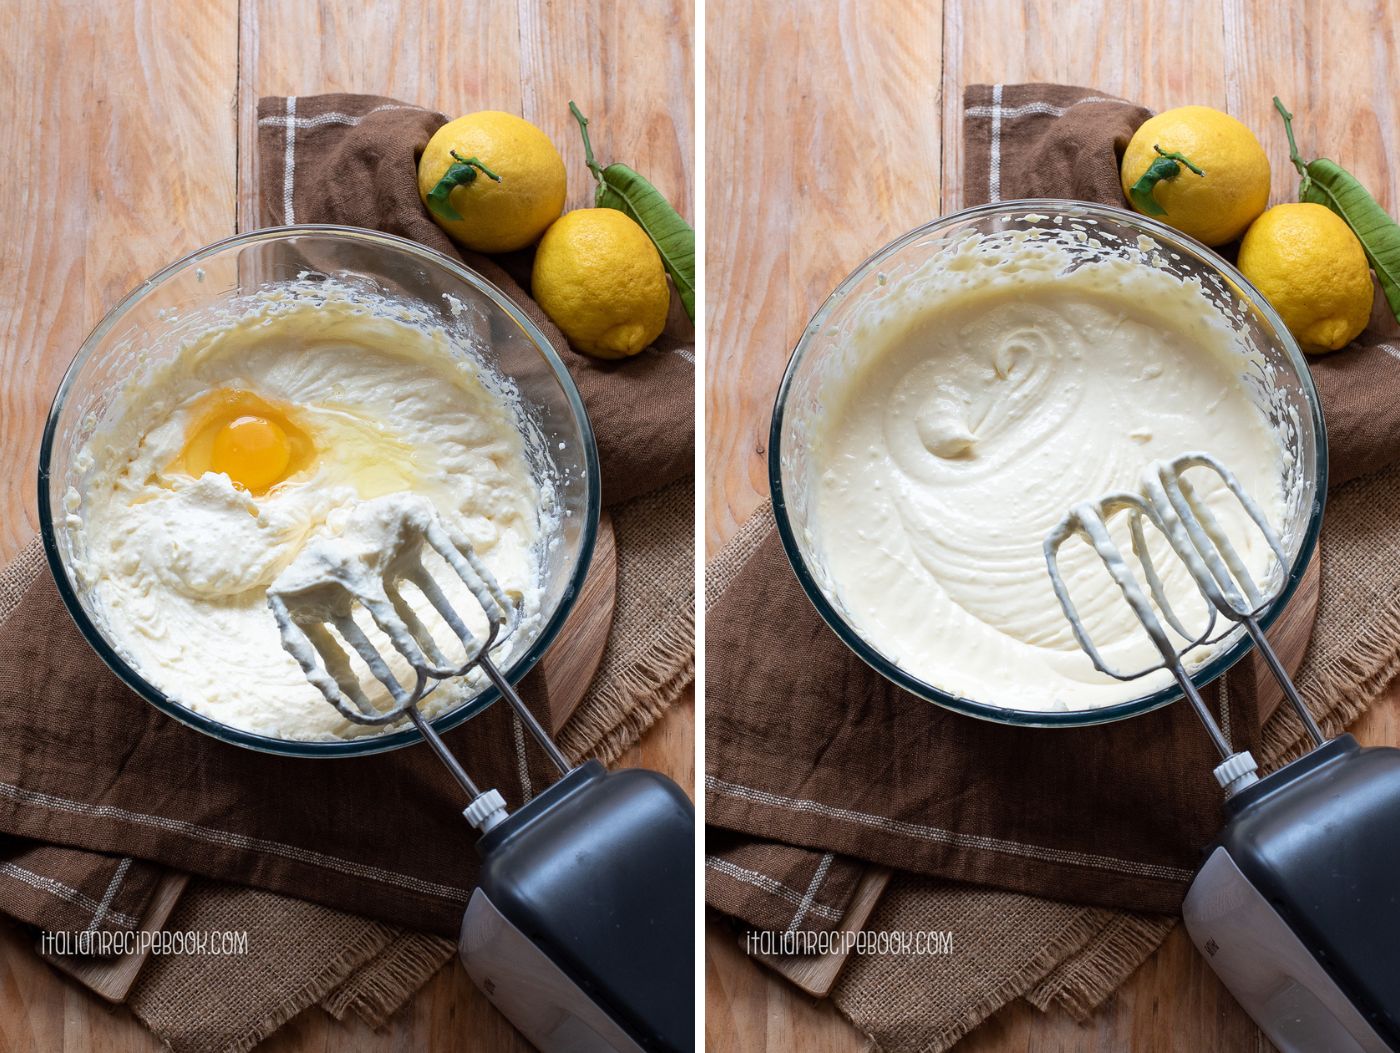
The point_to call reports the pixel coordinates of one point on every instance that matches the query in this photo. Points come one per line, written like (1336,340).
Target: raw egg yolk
(253,441)
(252,451)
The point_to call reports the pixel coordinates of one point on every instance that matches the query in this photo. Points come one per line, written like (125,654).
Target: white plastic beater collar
(1235,772)
(487,811)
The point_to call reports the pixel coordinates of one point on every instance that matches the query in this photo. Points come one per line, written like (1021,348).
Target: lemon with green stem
(1326,183)
(1198,170)
(493,181)
(622,187)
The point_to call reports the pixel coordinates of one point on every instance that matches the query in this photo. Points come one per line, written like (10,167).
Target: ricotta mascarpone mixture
(982,401)
(315,403)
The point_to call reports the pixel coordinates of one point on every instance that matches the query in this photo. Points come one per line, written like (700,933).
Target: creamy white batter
(981,403)
(180,562)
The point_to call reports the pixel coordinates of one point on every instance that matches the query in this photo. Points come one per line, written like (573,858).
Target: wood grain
(822,143)
(129,140)
(568,666)
(1335,66)
(117,161)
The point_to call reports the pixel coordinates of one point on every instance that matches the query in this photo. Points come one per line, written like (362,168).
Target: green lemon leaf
(1327,183)
(459,174)
(624,189)
(1141,192)
(1167,166)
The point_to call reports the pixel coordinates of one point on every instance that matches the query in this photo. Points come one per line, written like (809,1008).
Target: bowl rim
(316,748)
(1205,673)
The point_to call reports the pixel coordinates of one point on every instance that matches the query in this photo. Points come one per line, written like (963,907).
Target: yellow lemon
(1311,267)
(509,181)
(1219,193)
(600,279)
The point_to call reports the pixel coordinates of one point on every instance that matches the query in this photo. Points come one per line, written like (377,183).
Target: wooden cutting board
(568,666)
(816,974)
(567,669)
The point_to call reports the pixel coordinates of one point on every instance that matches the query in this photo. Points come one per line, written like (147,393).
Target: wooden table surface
(127,141)
(832,127)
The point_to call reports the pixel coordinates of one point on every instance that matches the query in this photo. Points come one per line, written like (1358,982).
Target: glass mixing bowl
(1276,374)
(213,282)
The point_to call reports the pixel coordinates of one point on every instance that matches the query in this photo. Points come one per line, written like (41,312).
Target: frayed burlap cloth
(1057,141)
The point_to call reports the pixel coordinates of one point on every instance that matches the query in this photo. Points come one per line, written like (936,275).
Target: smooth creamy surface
(975,413)
(180,564)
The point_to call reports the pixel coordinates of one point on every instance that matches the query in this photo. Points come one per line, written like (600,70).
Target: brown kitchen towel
(1014,148)
(54,887)
(793,891)
(96,893)
(85,763)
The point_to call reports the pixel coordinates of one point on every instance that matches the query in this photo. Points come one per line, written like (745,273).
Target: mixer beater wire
(1170,502)
(334,578)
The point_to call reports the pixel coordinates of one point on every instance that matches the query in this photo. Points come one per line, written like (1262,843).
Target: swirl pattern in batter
(968,426)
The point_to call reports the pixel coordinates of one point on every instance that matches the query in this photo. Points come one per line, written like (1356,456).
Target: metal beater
(580,928)
(1171,504)
(1294,907)
(321,590)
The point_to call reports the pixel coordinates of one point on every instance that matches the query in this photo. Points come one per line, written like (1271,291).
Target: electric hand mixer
(581,929)
(1297,907)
